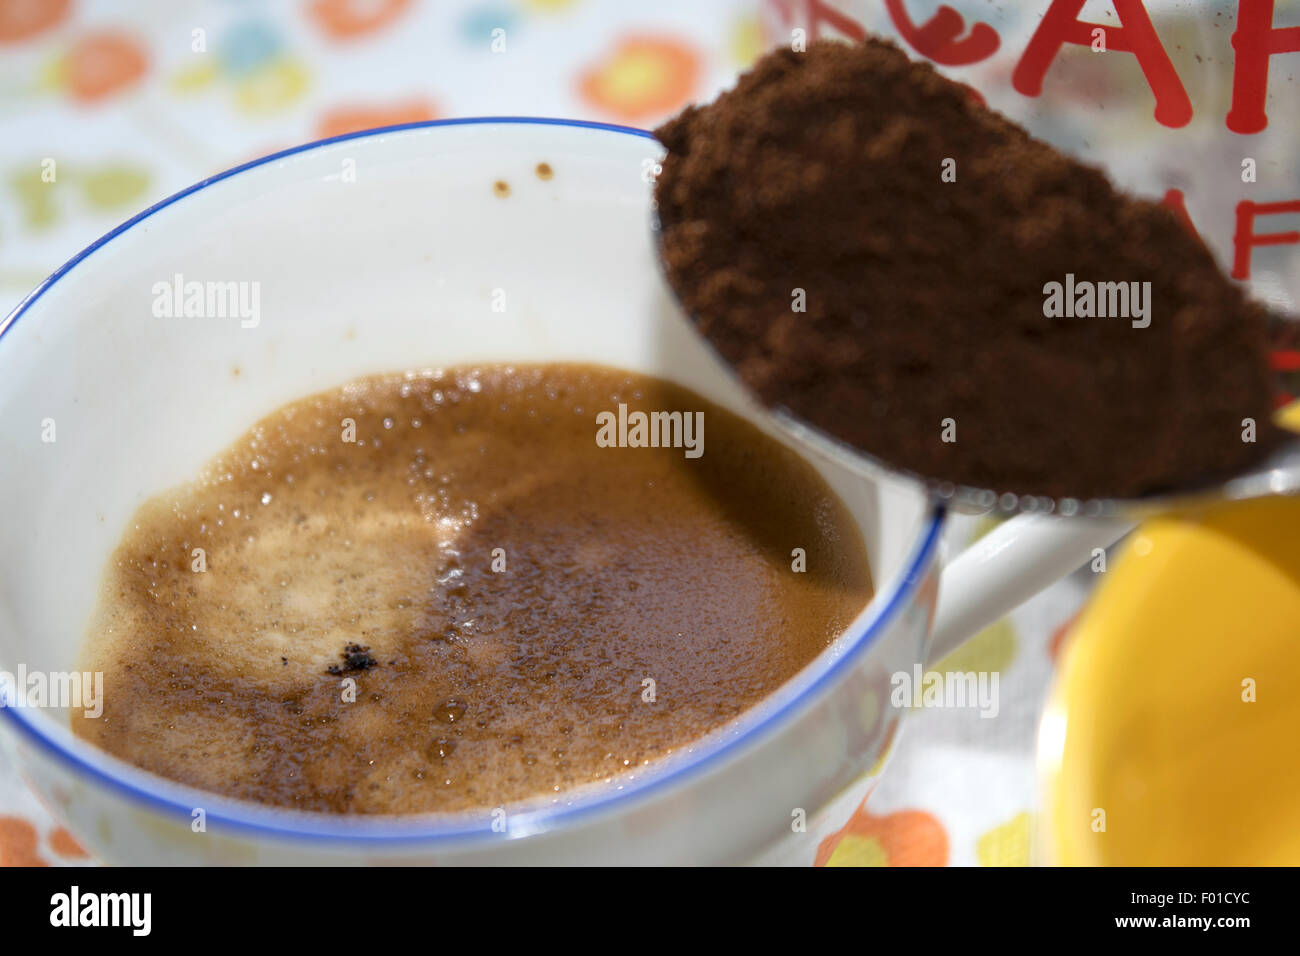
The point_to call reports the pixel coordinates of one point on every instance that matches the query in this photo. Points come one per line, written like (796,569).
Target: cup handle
(1009,565)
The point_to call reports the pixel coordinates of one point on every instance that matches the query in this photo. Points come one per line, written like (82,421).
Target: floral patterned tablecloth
(128,101)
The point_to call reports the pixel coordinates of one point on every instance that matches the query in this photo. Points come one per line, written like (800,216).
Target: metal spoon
(1276,474)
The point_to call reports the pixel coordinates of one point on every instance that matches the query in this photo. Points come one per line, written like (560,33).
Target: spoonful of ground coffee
(908,277)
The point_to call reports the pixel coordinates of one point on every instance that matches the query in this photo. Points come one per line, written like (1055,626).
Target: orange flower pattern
(22,19)
(643,77)
(349,119)
(901,838)
(104,63)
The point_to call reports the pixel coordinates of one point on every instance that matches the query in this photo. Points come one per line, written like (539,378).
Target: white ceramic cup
(391,250)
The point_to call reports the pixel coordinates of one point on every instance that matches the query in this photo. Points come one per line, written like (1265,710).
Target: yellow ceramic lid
(1173,734)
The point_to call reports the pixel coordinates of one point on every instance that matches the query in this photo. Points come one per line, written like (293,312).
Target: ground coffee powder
(821,184)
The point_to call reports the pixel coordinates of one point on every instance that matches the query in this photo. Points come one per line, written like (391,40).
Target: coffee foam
(487,687)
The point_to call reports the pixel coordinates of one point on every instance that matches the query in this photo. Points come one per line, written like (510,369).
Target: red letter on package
(1061,25)
(1246,238)
(1254,42)
(940,38)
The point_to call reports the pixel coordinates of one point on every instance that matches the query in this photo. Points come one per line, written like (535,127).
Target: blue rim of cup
(283,823)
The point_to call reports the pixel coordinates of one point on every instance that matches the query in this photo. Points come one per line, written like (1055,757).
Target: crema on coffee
(439,591)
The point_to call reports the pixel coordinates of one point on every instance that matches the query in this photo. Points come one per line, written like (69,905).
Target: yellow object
(856,850)
(196,77)
(992,650)
(747,41)
(1173,735)
(272,88)
(1006,845)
